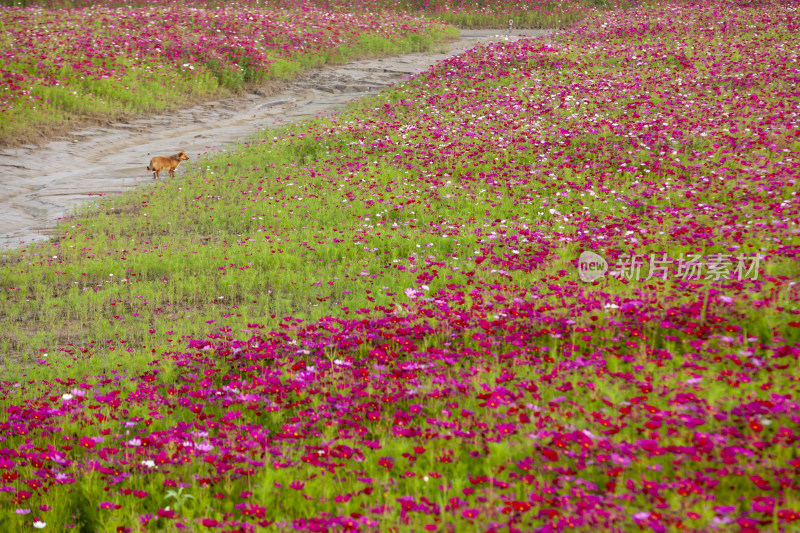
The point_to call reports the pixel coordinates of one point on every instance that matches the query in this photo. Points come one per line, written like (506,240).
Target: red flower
(550,454)
(87,442)
(386,462)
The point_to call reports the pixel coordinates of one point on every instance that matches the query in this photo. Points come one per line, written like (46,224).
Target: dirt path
(40,185)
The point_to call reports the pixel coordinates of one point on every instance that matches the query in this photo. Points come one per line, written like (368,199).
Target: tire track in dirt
(41,185)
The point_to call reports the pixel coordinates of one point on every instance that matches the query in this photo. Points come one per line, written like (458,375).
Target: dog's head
(182,156)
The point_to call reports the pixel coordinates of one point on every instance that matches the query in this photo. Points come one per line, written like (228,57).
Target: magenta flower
(470,514)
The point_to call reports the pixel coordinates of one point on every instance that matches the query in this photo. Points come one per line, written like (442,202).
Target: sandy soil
(41,185)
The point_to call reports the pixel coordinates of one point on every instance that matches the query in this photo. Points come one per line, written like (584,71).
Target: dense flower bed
(465,13)
(489,13)
(470,380)
(98,60)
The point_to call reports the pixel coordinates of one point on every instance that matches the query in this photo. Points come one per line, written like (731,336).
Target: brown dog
(158,163)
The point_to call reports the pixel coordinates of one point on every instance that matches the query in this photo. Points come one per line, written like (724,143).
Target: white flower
(67,396)
(39,524)
(411,293)
(204,447)
(149,463)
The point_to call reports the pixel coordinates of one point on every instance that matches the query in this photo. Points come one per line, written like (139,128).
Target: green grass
(248,234)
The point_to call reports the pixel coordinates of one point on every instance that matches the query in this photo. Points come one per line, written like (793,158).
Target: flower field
(106,62)
(387,321)
(100,61)
(486,13)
